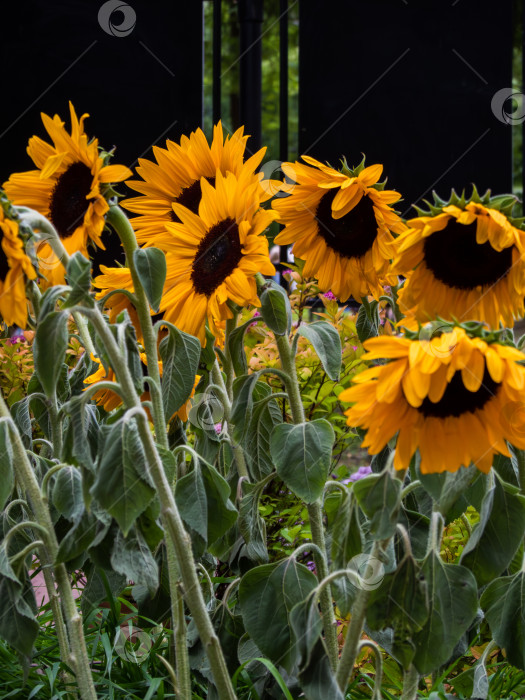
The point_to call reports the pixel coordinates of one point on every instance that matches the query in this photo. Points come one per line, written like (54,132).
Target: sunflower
(176,178)
(110,400)
(15,267)
(111,279)
(462,261)
(66,188)
(340,224)
(213,258)
(455,398)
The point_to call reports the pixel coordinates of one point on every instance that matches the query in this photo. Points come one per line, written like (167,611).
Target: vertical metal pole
(250,19)
(217,49)
(283,80)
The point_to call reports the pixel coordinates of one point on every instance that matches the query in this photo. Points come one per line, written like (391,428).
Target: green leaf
(7,480)
(49,349)
(236,347)
(367,324)
(453,604)
(503,603)
(400,603)
(95,589)
(150,264)
(317,679)
(267,595)
(18,625)
(85,530)
(180,354)
(345,533)
(78,275)
(132,558)
(246,390)
(302,456)
(275,308)
(498,534)
(256,443)
(202,497)
(379,497)
(307,626)
(22,420)
(251,526)
(67,492)
(120,483)
(327,345)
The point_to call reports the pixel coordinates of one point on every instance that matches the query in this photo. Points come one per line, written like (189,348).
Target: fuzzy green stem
(520,457)
(77,658)
(56,425)
(315,513)
(353,637)
(179,628)
(170,514)
(231,323)
(410,683)
(120,223)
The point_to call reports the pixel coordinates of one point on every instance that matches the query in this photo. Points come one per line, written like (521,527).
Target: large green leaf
(79,278)
(378,496)
(180,354)
(275,308)
(498,534)
(49,349)
(503,603)
(121,484)
(256,443)
(150,264)
(236,348)
(251,526)
(132,558)
(67,492)
(367,324)
(327,344)
(302,456)
(267,595)
(18,625)
(453,604)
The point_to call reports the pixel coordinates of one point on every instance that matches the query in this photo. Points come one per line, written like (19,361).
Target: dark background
(385,77)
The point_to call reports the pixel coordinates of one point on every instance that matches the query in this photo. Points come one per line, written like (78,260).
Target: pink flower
(330,296)
(359,474)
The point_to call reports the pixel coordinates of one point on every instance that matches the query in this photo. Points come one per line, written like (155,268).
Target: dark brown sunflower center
(354,233)
(217,256)
(458,261)
(4,262)
(190,197)
(68,199)
(458,400)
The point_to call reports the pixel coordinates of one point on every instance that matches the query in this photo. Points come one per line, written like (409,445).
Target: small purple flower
(330,296)
(311,565)
(17,336)
(218,428)
(287,272)
(354,347)
(359,474)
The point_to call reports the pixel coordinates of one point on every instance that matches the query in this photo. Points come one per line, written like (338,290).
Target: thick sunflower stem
(410,683)
(170,516)
(122,226)
(84,334)
(76,652)
(520,457)
(315,513)
(182,662)
(231,323)
(355,630)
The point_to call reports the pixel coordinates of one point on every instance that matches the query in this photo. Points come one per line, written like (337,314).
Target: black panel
(389,78)
(139,89)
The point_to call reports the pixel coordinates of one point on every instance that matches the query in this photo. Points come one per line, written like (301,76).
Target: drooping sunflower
(340,224)
(67,188)
(15,267)
(212,258)
(110,400)
(463,260)
(455,398)
(176,178)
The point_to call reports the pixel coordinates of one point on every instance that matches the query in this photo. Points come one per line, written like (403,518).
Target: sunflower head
(455,398)
(340,223)
(175,178)
(15,268)
(69,187)
(212,258)
(463,259)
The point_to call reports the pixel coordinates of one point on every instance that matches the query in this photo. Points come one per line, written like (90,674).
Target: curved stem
(231,323)
(378,679)
(410,683)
